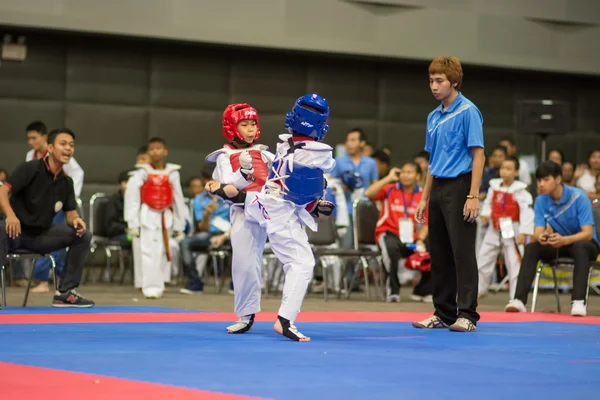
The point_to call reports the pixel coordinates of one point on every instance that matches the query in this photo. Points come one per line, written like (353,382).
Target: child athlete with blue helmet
(291,198)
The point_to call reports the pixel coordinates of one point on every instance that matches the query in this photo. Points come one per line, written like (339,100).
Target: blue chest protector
(304,184)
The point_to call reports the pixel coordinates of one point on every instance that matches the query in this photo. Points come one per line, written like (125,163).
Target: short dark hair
(508,139)
(157,139)
(499,147)
(2,170)
(386,146)
(548,168)
(207,171)
(515,160)
(193,178)
(361,134)
(414,164)
(142,150)
(37,126)
(381,156)
(562,155)
(592,152)
(52,135)
(422,154)
(124,175)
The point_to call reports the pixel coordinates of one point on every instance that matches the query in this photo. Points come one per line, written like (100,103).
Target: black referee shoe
(71,299)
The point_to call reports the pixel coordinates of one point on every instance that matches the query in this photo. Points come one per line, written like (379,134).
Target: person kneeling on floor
(564,227)
(39,189)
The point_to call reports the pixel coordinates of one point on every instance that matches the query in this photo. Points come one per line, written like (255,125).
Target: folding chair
(321,242)
(100,240)
(24,255)
(365,218)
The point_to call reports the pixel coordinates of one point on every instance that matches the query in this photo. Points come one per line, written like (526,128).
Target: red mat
(271,317)
(16,383)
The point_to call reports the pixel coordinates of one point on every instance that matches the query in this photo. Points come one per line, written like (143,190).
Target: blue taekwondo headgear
(309,121)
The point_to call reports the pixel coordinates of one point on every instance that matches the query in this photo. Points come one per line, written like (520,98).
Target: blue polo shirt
(450,136)
(366,169)
(200,203)
(566,217)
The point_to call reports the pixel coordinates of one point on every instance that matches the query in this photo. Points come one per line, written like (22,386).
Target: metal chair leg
(325,272)
(53,265)
(587,292)
(121,263)
(29,283)
(536,284)
(2,288)
(556,289)
(216,272)
(105,276)
(365,265)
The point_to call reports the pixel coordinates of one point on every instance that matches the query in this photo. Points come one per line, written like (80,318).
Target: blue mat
(93,310)
(505,361)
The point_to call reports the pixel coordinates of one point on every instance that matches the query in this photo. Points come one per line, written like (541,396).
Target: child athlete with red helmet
(245,164)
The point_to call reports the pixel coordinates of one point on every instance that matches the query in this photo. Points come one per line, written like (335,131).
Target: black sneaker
(71,299)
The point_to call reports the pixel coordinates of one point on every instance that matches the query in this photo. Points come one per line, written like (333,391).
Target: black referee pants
(452,247)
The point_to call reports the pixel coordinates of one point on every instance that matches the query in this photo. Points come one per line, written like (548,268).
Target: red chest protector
(504,205)
(157,192)
(261,173)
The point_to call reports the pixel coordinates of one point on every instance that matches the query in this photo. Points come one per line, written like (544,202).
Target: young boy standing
(155,210)
(508,206)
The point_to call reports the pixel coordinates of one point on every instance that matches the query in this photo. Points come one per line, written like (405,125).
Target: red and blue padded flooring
(160,353)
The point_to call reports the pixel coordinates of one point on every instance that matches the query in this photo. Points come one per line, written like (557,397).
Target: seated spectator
(114,221)
(39,189)
(595,196)
(564,227)
(422,158)
(3,175)
(568,173)
(587,181)
(368,150)
(211,215)
(194,187)
(557,156)
(495,160)
(397,228)
(382,160)
(142,157)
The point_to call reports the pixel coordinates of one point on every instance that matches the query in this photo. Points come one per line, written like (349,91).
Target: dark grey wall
(115,93)
(551,35)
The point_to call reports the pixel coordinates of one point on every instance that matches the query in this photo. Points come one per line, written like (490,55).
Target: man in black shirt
(39,189)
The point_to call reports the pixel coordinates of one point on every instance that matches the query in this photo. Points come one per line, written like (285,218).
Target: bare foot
(292,332)
(41,288)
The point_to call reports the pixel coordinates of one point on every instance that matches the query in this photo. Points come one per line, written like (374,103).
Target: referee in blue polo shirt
(454,139)
(564,227)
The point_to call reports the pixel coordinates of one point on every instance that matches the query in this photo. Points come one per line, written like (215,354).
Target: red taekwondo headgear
(235,113)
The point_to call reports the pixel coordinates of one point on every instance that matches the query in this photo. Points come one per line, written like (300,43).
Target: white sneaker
(578,308)
(424,299)
(463,325)
(393,298)
(515,305)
